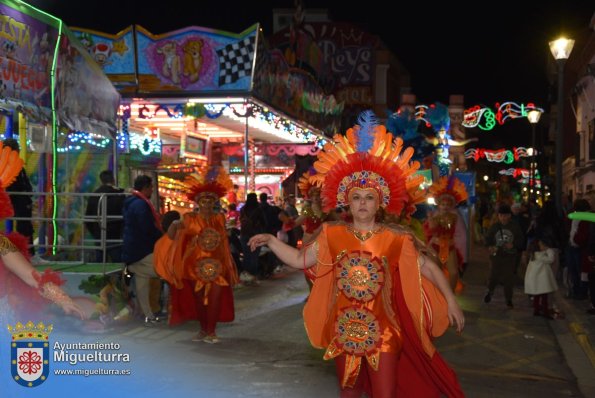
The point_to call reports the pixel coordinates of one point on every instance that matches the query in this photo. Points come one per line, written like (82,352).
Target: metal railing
(71,225)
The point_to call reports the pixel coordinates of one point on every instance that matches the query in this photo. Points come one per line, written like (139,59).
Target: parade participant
(203,272)
(445,228)
(26,290)
(378,299)
(312,215)
(438,117)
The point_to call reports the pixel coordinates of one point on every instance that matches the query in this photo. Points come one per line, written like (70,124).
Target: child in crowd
(539,277)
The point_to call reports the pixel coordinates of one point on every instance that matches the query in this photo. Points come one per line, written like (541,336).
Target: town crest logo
(29,353)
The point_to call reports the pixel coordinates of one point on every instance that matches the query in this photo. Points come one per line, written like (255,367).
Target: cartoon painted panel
(195,59)
(85,98)
(114,53)
(26,46)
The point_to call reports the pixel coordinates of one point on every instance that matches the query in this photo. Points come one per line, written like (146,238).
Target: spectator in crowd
(142,229)
(233,216)
(504,240)
(272,226)
(252,222)
(539,277)
(115,201)
(289,217)
(232,195)
(577,262)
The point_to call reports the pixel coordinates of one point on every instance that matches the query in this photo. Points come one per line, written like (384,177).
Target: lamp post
(533,115)
(560,49)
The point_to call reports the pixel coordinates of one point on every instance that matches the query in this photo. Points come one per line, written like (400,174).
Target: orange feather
(10,165)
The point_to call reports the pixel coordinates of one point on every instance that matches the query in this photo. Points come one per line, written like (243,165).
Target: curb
(583,340)
(576,345)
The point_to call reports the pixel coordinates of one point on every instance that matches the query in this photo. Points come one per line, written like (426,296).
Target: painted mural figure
(193,59)
(171,62)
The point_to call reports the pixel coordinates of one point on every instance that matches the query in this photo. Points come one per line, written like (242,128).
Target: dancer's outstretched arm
(21,267)
(291,256)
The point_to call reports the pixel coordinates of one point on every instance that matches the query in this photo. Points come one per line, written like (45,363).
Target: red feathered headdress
(213,181)
(10,166)
(368,157)
(449,187)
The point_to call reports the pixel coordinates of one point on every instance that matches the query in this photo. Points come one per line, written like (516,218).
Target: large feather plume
(437,116)
(367,122)
(10,165)
(403,124)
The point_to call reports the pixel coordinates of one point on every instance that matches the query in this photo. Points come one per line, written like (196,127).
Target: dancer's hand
(456,316)
(259,240)
(71,308)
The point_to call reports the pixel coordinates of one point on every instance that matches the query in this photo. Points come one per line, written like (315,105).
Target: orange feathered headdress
(368,157)
(10,166)
(306,183)
(449,187)
(214,180)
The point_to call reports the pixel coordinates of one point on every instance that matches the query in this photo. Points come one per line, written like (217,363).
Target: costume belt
(206,272)
(357,335)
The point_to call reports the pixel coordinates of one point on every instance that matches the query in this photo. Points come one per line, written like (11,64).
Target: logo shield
(30,353)
(30,363)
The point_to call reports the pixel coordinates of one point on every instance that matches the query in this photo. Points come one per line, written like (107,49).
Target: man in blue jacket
(141,230)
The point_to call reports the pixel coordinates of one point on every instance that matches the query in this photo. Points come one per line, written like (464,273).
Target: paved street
(513,353)
(265,352)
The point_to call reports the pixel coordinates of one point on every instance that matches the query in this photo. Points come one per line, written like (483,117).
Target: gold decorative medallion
(360,276)
(209,239)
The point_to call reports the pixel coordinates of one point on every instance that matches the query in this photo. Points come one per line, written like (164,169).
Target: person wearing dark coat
(114,208)
(142,228)
(504,240)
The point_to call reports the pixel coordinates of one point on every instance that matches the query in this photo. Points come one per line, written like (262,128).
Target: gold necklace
(363,236)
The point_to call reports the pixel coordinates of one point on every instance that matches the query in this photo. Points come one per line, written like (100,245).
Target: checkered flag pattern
(235,60)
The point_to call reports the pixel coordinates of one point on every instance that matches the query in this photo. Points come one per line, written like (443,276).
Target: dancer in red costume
(445,229)
(28,291)
(379,298)
(202,272)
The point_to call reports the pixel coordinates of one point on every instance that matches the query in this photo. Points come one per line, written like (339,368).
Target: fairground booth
(199,96)
(53,98)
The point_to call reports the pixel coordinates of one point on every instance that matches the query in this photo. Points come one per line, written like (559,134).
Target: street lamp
(533,115)
(560,49)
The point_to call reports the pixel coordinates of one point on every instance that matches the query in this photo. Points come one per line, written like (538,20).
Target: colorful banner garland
(499,155)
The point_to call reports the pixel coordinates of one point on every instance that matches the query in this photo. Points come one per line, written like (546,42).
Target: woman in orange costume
(202,271)
(378,298)
(445,229)
(26,290)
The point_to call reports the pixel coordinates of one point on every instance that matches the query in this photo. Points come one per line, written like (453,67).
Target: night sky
(488,51)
